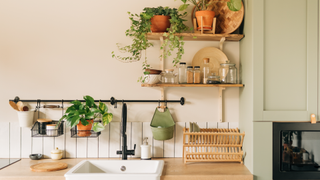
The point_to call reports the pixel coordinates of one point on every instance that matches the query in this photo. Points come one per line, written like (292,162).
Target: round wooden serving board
(50,166)
(215,55)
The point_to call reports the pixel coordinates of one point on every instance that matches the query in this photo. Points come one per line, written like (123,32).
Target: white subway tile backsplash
(115,139)
(179,138)
(137,137)
(25,142)
(104,142)
(4,140)
(21,143)
(15,140)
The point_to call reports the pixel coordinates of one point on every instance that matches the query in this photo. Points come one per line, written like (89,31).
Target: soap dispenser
(145,150)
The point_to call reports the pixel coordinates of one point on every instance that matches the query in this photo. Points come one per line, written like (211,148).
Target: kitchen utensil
(51,106)
(152,78)
(228,73)
(168,77)
(215,55)
(25,108)
(35,156)
(13,105)
(56,154)
(20,106)
(227,21)
(50,166)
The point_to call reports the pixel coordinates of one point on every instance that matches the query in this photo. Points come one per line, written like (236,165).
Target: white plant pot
(25,118)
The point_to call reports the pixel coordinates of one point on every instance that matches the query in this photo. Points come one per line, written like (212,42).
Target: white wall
(58,49)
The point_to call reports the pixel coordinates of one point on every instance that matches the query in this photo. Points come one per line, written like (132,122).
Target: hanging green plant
(141,25)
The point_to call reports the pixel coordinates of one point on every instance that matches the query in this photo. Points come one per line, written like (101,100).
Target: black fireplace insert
(296,151)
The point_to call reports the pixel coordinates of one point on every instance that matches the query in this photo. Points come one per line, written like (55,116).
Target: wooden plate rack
(213,145)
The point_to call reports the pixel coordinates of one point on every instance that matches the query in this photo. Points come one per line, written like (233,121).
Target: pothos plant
(140,26)
(88,110)
(202,5)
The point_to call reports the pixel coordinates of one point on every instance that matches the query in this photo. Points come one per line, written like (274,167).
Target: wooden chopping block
(50,166)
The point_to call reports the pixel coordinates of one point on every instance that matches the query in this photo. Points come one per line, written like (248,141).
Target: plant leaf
(74,120)
(183,7)
(89,101)
(75,102)
(84,121)
(107,118)
(64,116)
(89,115)
(70,109)
(234,5)
(97,127)
(103,108)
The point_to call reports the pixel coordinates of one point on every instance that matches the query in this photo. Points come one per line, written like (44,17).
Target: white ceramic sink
(116,170)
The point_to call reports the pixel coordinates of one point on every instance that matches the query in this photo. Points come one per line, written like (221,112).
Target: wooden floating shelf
(199,37)
(192,85)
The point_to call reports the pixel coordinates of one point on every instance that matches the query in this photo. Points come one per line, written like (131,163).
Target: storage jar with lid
(168,77)
(228,73)
(190,74)
(56,154)
(196,75)
(213,79)
(182,73)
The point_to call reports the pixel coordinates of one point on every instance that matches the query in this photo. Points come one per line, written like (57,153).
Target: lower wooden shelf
(192,85)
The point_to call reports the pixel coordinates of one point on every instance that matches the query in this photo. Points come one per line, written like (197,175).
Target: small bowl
(35,156)
(152,78)
(153,71)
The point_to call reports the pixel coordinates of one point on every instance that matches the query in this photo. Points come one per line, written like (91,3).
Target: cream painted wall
(61,49)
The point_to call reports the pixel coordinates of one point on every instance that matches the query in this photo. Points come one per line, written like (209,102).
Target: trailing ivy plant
(140,26)
(202,5)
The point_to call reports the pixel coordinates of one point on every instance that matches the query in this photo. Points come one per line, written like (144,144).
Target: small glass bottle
(182,73)
(197,75)
(205,70)
(190,74)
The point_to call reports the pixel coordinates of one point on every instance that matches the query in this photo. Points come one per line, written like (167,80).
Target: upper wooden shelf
(200,37)
(192,85)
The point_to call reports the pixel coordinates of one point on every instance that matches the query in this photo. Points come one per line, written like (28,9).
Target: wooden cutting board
(215,55)
(50,166)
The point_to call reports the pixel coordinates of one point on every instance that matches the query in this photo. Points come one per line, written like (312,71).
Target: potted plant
(83,115)
(202,10)
(144,23)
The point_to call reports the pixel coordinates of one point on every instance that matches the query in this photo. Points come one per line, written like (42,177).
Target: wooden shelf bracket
(222,40)
(221,89)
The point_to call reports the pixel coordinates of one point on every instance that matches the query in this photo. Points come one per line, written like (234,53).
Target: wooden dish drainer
(213,145)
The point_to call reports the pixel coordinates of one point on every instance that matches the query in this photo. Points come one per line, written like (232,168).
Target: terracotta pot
(160,23)
(84,131)
(207,19)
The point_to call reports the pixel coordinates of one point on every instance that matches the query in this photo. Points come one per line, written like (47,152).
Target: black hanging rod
(112,100)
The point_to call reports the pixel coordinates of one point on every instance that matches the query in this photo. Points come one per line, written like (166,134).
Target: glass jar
(205,70)
(213,79)
(196,75)
(168,77)
(182,73)
(228,73)
(190,74)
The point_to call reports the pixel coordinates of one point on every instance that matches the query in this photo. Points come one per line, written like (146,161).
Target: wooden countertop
(174,169)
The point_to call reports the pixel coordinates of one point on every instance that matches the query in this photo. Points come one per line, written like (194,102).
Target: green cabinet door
(285,56)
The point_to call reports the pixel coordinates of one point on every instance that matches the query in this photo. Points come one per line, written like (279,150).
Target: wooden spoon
(13,105)
(20,106)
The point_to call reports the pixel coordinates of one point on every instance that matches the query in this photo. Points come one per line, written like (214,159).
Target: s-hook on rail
(112,100)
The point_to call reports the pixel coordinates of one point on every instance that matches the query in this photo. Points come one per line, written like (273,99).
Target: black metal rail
(112,100)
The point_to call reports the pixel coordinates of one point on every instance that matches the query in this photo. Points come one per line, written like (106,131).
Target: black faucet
(125,152)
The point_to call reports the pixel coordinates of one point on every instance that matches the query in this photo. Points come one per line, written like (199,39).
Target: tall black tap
(125,152)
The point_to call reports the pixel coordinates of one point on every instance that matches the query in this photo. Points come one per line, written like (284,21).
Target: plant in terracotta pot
(204,9)
(82,115)
(171,22)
